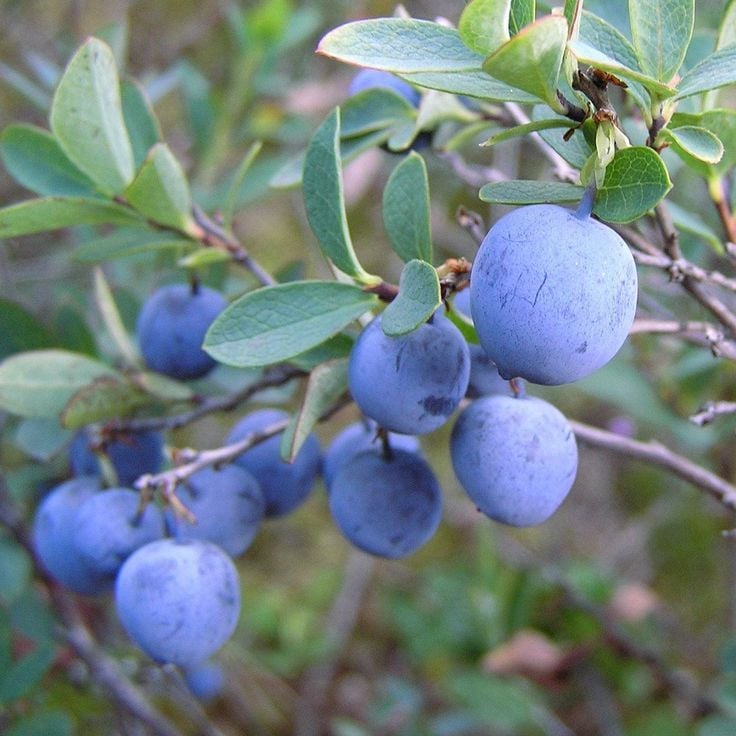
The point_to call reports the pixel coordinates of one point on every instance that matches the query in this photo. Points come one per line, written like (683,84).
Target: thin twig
(711,410)
(704,334)
(104,670)
(682,268)
(655,453)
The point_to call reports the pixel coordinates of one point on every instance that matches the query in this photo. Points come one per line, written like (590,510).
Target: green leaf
(162,387)
(406,209)
(199,106)
(373,109)
(127,242)
(276,323)
(601,35)
(87,118)
(661,31)
(34,159)
(530,192)
(532,127)
(418,299)
(40,382)
(104,398)
(140,120)
(324,199)
(20,330)
(636,180)
(695,141)
(41,438)
(399,45)
(112,320)
(15,571)
(484,25)
(587,54)
(231,198)
(522,14)
(327,383)
(338,346)
(472,83)
(717,70)
(53,213)
(532,59)
(160,190)
(727,27)
(50,723)
(722,122)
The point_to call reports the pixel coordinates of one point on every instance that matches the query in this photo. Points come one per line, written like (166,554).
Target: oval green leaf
(406,209)
(324,199)
(39,383)
(87,118)
(276,323)
(160,190)
(636,180)
(661,31)
(532,59)
(695,141)
(34,159)
(484,24)
(140,120)
(52,213)
(522,191)
(473,83)
(417,301)
(717,70)
(104,398)
(399,45)
(326,384)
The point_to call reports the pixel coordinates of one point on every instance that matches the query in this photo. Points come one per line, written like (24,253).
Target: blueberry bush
(385,389)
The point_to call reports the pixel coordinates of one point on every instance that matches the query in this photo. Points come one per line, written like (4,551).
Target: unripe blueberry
(206,680)
(552,293)
(228,504)
(387,507)
(131,456)
(285,485)
(171,328)
(54,537)
(373,78)
(108,528)
(515,457)
(409,384)
(357,437)
(179,600)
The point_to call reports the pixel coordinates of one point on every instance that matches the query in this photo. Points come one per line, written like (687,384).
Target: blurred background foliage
(615,617)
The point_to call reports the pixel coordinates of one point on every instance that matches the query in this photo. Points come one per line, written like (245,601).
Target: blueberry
(108,529)
(356,438)
(171,328)
(552,294)
(229,507)
(131,456)
(413,383)
(54,537)
(373,78)
(179,600)
(285,485)
(515,457)
(387,507)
